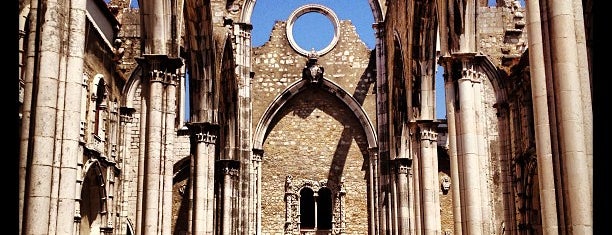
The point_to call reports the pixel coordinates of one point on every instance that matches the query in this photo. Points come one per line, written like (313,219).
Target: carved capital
(229,167)
(429,135)
(257,155)
(159,68)
(126,114)
(428,130)
(403,166)
(203,132)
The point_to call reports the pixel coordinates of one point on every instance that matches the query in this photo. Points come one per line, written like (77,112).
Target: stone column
(429,176)
(40,149)
(449,89)
(141,157)
(157,69)
(469,147)
(564,59)
(382,125)
(411,202)
(483,146)
(71,119)
(228,169)
(537,70)
(125,120)
(153,153)
(204,137)
(28,84)
(372,191)
(255,208)
(170,109)
(402,169)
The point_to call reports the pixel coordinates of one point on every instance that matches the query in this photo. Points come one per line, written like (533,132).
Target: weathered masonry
(164,119)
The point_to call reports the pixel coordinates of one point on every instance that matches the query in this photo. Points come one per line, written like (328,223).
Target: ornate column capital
(403,166)
(379,28)
(203,132)
(228,167)
(125,114)
(257,155)
(427,130)
(160,68)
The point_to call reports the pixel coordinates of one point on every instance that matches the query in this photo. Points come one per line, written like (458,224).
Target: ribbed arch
(266,122)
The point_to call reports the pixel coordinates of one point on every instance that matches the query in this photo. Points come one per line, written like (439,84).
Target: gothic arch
(494,76)
(92,207)
(228,104)
(130,88)
(263,127)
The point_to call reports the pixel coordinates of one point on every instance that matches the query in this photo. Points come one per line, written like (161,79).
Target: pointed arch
(398,105)
(130,88)
(266,122)
(93,195)
(228,104)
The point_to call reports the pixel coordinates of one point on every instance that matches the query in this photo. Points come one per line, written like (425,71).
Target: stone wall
(316,137)
(502,35)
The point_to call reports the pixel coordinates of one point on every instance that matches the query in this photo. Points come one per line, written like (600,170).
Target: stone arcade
(164,119)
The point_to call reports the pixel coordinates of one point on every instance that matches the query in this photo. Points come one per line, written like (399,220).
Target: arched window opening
(324,209)
(307,209)
(100,109)
(313,207)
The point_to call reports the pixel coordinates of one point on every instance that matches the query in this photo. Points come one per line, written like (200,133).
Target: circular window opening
(313,31)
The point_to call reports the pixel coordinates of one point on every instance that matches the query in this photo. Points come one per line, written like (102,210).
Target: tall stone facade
(164,120)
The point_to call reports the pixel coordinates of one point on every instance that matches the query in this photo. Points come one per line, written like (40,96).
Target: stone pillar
(412,201)
(141,157)
(429,176)
(539,94)
(242,32)
(28,84)
(449,88)
(372,191)
(228,169)
(402,169)
(255,208)
(564,59)
(70,136)
(39,154)
(469,147)
(204,138)
(482,154)
(157,69)
(153,154)
(169,121)
(382,126)
(125,120)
